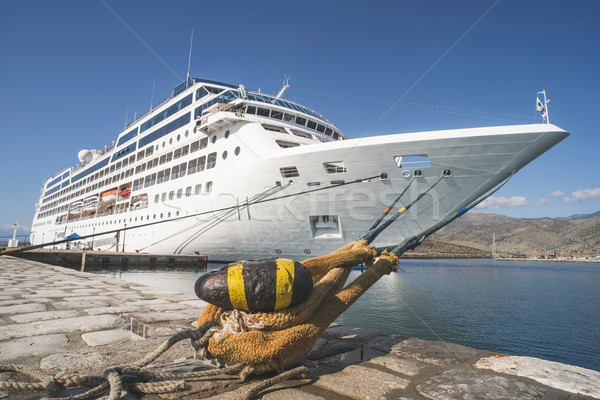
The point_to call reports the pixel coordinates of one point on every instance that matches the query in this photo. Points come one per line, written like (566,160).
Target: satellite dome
(85,156)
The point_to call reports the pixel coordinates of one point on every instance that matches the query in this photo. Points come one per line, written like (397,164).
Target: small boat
(75,208)
(109,196)
(125,191)
(90,204)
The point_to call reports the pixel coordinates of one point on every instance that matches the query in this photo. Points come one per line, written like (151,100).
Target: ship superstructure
(231,173)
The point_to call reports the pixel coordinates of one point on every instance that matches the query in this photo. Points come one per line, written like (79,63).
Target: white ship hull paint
(478,159)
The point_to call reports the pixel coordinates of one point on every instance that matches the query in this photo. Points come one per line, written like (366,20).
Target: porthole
(406,173)
(214,139)
(156,148)
(225,154)
(178,137)
(237,151)
(171,141)
(187,133)
(163,144)
(227,134)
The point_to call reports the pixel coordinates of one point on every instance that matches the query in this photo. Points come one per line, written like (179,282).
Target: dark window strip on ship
(161,116)
(125,152)
(54,182)
(168,128)
(90,170)
(131,134)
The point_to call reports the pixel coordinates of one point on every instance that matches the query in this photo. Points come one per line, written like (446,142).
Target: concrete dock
(88,260)
(54,319)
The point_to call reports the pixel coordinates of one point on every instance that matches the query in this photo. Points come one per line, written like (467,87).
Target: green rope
(372,234)
(414,241)
(387,210)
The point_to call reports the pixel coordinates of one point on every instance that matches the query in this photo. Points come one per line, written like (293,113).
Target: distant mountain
(579,237)
(575,217)
(478,218)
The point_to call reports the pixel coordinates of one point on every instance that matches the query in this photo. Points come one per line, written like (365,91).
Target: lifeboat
(75,208)
(125,191)
(90,204)
(109,196)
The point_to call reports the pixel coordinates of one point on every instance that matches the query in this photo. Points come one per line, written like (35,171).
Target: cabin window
(302,134)
(289,117)
(171,196)
(311,124)
(140,155)
(182,169)
(179,193)
(201,164)
(163,197)
(289,172)
(335,167)
(203,142)
(185,150)
(198,189)
(194,146)
(263,112)
(201,92)
(415,161)
(192,166)
(276,114)
(212,160)
(188,191)
(149,151)
(177,154)
(169,156)
(300,121)
(273,128)
(209,186)
(251,110)
(284,145)
(320,128)
(175,172)
(156,198)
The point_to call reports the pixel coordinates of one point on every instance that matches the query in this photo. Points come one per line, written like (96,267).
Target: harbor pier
(55,319)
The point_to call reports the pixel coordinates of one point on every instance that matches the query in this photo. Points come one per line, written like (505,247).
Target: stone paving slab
(560,376)
(101,338)
(84,324)
(467,384)
(42,316)
(32,346)
(22,308)
(359,382)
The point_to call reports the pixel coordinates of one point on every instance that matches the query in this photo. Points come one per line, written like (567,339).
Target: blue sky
(72,71)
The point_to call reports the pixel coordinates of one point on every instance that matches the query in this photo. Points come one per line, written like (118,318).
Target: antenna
(126,116)
(152,99)
(286,84)
(187,78)
(543,106)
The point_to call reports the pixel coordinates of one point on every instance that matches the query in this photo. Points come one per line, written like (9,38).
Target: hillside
(579,237)
(479,218)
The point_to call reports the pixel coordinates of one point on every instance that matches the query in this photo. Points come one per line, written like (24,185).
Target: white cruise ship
(233,174)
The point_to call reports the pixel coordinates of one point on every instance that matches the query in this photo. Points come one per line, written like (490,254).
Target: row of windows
(188,192)
(172,110)
(292,118)
(197,165)
(177,171)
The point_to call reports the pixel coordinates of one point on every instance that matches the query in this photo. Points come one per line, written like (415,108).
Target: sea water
(549,310)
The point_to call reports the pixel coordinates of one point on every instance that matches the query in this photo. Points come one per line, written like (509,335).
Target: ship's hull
(252,211)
